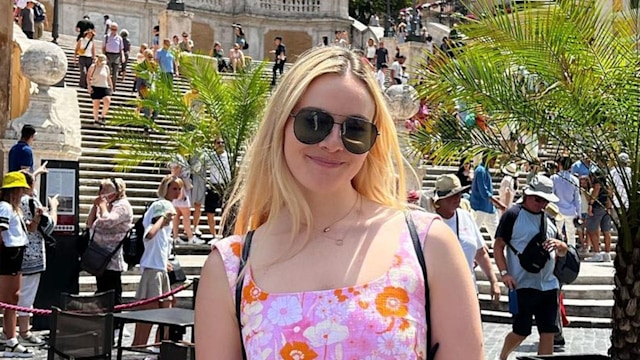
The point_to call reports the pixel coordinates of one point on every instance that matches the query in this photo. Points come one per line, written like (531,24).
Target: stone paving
(578,341)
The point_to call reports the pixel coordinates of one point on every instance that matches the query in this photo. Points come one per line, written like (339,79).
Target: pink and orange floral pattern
(383,319)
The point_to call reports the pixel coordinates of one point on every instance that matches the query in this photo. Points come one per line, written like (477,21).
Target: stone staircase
(588,301)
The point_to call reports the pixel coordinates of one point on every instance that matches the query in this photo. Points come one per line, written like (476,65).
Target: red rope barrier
(116,308)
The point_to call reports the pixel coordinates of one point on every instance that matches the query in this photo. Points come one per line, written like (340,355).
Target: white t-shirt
(397,70)
(507,187)
(380,77)
(220,165)
(14,232)
(371,51)
(468,234)
(156,250)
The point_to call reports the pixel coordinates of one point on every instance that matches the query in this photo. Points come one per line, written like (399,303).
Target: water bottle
(513,302)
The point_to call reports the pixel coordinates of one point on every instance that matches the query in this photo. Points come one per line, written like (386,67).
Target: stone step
(574,307)
(590,274)
(596,291)
(575,321)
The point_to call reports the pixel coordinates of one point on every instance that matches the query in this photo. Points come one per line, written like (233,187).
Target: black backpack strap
(431,349)
(243,261)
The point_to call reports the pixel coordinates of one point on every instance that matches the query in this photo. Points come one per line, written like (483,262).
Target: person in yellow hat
(14,239)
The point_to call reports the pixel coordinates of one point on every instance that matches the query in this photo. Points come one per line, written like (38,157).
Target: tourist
(219,177)
(110,219)
(34,260)
(465,173)
(240,37)
(14,240)
(182,203)
(26,19)
(483,202)
(581,225)
(336,267)
(139,59)
(621,176)
(145,75)
(186,45)
(236,57)
(381,76)
(83,25)
(113,48)
(167,62)
(175,43)
(382,55)
(446,198)
(39,19)
(100,85)
(21,154)
(84,54)
(124,34)
(155,42)
(567,188)
(107,23)
(218,53)
(536,294)
(371,50)
(280,53)
(598,217)
(397,70)
(155,259)
(508,185)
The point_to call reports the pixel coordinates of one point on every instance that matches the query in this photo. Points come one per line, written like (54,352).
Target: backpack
(568,267)
(133,243)
(245,46)
(38,12)
(534,256)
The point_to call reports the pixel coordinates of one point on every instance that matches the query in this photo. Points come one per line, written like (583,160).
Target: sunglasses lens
(359,135)
(312,126)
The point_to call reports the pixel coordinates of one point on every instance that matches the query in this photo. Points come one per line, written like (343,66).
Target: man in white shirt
(621,175)
(397,73)
(381,75)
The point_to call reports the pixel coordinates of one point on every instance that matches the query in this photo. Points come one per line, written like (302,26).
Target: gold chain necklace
(340,241)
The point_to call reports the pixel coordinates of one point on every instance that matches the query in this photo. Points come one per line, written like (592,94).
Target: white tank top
(100,76)
(89,48)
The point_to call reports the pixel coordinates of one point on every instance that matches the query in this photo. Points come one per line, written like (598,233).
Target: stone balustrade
(303,8)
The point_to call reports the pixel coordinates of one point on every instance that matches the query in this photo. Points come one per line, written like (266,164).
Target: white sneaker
(196,241)
(595,258)
(606,257)
(179,241)
(31,339)
(197,232)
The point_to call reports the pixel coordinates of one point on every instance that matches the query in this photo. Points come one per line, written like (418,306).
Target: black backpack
(38,12)
(245,46)
(133,244)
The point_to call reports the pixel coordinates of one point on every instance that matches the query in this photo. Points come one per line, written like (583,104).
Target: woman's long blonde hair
(265,185)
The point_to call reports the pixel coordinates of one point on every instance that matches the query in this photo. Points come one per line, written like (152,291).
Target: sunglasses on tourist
(311,126)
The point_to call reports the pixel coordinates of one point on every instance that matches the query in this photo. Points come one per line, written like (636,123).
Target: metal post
(56,19)
(387,27)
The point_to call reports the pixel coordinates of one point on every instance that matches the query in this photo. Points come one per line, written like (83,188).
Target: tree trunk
(625,344)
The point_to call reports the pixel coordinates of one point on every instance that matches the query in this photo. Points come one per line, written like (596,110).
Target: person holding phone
(157,248)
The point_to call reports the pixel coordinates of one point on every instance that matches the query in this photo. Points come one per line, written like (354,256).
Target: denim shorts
(601,220)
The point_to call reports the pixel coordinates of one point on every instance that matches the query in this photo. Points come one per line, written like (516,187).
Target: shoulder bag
(96,257)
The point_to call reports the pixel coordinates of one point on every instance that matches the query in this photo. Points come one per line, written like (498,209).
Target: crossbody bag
(415,239)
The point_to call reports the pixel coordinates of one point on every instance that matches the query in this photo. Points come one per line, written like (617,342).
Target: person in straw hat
(14,240)
(508,185)
(536,293)
(445,199)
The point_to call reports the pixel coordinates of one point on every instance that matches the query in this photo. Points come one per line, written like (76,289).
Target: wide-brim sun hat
(446,186)
(541,186)
(511,170)
(14,179)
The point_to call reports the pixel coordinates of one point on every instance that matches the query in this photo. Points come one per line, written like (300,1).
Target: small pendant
(339,242)
(326,230)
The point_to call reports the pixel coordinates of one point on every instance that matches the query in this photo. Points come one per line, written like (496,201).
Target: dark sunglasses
(311,126)
(540,200)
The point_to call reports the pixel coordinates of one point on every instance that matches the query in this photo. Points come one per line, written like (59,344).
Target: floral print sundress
(383,319)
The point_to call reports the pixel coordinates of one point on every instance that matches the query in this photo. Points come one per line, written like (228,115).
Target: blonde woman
(236,57)
(100,87)
(84,54)
(371,50)
(332,271)
(157,247)
(110,219)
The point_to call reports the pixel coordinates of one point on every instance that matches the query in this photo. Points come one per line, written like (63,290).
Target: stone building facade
(301,23)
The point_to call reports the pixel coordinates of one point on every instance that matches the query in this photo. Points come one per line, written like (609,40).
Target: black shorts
(11,260)
(212,201)
(541,304)
(99,92)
